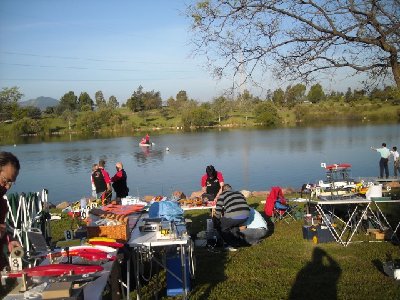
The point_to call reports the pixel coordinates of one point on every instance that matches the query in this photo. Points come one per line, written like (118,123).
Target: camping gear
(167,210)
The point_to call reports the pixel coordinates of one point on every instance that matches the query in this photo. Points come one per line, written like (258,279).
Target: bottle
(83,203)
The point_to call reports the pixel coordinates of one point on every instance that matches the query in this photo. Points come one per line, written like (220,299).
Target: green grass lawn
(285,266)
(282,266)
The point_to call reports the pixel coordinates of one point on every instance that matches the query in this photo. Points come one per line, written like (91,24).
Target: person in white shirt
(396,161)
(94,168)
(383,162)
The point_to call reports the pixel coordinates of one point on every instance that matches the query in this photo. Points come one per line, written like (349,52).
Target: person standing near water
(102,182)
(383,162)
(119,182)
(396,161)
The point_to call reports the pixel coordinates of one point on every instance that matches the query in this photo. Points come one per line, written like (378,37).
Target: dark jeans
(253,236)
(383,165)
(229,230)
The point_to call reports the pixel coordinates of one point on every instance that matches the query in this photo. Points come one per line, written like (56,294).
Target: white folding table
(361,205)
(145,241)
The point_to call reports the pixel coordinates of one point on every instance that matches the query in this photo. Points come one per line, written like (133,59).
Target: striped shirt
(232,205)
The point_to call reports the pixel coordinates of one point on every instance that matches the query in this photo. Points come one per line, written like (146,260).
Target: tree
(278,97)
(135,102)
(99,98)
(85,103)
(152,100)
(182,96)
(198,116)
(266,113)
(294,94)
(316,93)
(246,103)
(68,102)
(221,107)
(299,39)
(9,98)
(112,102)
(33,112)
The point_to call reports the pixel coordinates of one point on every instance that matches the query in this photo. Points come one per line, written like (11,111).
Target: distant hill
(40,102)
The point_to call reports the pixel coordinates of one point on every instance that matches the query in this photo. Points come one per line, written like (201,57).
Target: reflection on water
(249,159)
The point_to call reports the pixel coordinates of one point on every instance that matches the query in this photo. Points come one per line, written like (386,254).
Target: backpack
(167,210)
(275,194)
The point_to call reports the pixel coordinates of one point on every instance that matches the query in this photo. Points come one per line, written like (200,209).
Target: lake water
(254,159)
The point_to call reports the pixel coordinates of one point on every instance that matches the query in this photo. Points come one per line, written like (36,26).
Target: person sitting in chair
(231,212)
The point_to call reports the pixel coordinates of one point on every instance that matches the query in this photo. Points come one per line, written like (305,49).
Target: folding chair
(276,207)
(39,246)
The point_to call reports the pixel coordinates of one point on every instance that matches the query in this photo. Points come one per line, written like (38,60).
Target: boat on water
(146,145)
(145,141)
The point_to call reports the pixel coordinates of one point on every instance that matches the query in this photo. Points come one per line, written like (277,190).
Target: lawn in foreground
(285,266)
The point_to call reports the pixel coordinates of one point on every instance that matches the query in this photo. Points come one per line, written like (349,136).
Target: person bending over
(254,229)
(231,212)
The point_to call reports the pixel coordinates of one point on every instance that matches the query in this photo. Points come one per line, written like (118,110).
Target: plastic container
(210,225)
(308,220)
(374,191)
(83,203)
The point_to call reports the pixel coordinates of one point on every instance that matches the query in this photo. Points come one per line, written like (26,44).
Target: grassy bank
(283,266)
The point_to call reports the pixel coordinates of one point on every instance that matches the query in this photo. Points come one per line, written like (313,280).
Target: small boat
(146,145)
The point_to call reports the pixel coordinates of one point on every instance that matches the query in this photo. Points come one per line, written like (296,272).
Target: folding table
(362,206)
(147,241)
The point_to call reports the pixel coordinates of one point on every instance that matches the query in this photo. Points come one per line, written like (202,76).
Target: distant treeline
(145,110)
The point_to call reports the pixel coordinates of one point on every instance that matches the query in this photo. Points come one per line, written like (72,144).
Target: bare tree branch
(298,39)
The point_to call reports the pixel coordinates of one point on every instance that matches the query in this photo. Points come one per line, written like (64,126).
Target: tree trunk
(395,68)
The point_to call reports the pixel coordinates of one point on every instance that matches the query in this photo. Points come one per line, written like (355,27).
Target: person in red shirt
(212,183)
(102,182)
(9,170)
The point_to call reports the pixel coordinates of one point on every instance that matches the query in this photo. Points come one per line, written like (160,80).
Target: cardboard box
(57,290)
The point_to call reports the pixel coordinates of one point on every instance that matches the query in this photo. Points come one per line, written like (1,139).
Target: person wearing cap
(9,170)
(102,182)
(212,183)
(119,182)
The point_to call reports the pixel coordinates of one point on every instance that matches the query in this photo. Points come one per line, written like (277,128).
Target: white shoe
(230,249)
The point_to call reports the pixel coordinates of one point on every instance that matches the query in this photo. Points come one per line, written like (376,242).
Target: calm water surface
(249,159)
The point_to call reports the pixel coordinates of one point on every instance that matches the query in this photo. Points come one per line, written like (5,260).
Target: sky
(48,48)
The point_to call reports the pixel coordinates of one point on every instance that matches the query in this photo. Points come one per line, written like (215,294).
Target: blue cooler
(174,286)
